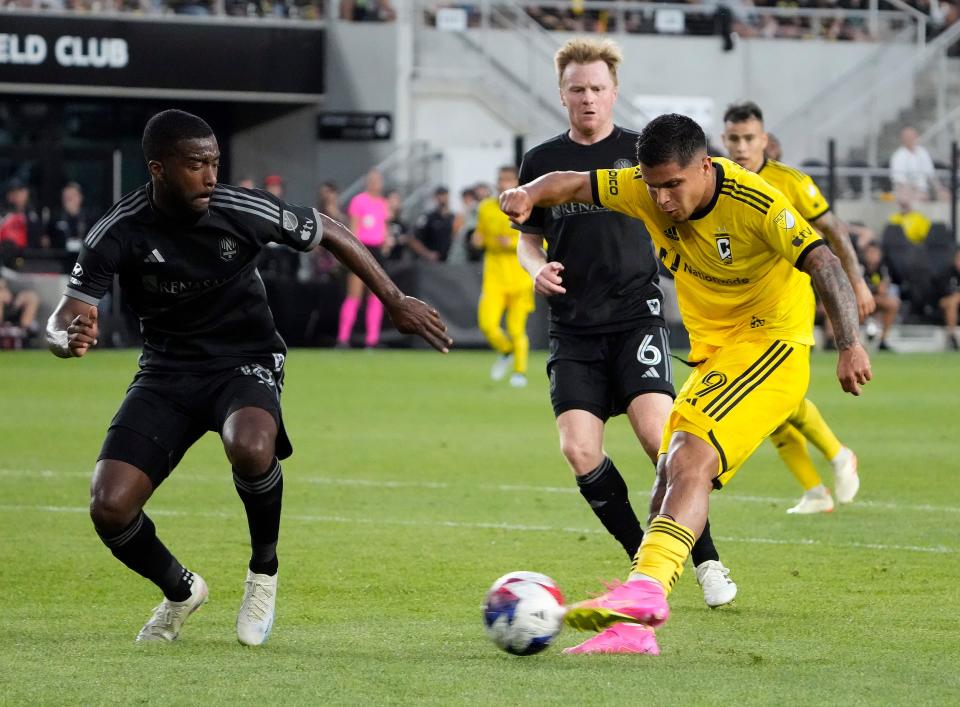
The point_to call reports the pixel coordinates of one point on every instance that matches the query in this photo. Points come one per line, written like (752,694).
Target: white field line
(513,527)
(726,496)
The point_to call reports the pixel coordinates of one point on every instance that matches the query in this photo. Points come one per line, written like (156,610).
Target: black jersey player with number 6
(185,248)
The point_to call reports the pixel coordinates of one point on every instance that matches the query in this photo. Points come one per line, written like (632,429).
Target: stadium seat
(939,248)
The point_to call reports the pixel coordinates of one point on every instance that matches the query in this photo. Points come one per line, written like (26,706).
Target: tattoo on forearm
(837,296)
(842,247)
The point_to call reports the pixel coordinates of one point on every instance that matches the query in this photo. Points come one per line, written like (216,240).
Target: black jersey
(194,286)
(610,270)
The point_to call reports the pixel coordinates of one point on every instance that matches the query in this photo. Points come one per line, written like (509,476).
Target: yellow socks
(663,552)
(811,424)
(792,448)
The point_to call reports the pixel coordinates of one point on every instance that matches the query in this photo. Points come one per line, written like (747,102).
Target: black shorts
(165,412)
(602,373)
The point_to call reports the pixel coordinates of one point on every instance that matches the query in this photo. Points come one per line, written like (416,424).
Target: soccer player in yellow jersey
(741,256)
(506,286)
(746,142)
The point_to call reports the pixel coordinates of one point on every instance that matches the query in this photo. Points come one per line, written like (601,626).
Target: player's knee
(111,510)
(582,456)
(250,451)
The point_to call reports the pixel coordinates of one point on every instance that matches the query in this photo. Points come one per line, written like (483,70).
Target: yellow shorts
(737,396)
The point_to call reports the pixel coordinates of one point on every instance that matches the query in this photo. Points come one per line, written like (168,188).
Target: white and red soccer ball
(523,612)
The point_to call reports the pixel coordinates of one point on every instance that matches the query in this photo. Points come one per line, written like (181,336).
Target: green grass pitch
(415,483)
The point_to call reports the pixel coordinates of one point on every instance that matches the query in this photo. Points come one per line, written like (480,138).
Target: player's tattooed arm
(834,289)
(853,366)
(838,236)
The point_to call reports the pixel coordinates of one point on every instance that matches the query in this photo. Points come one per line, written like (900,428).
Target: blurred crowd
(350,10)
(728,18)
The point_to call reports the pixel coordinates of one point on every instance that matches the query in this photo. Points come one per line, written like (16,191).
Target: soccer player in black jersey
(609,351)
(185,248)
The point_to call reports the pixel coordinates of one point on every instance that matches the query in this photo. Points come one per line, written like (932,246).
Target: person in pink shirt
(369,214)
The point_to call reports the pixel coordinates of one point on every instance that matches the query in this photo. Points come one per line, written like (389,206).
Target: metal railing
(413,168)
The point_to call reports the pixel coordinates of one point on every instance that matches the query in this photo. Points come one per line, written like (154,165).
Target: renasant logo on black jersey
(610,270)
(194,285)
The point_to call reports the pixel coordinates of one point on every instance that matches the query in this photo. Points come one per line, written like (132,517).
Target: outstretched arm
(409,315)
(546,276)
(72,328)
(548,190)
(838,236)
(853,366)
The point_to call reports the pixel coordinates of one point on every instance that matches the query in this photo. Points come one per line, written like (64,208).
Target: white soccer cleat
(816,500)
(518,380)
(169,617)
(714,580)
(500,366)
(255,618)
(845,477)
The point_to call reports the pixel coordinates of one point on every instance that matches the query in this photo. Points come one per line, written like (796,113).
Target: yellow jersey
(798,187)
(501,267)
(736,261)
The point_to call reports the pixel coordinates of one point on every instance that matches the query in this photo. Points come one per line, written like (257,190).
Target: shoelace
(163,620)
(255,603)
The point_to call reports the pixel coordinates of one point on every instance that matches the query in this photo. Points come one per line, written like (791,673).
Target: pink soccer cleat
(620,638)
(641,601)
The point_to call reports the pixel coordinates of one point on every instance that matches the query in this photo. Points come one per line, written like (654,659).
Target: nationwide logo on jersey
(623,163)
(76,274)
(228,248)
(673,233)
(785,220)
(290,221)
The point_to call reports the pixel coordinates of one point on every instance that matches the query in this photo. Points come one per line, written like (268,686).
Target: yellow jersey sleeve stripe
(750,190)
(746,199)
(805,252)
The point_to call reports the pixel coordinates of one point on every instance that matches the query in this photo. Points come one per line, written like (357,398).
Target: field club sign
(161,57)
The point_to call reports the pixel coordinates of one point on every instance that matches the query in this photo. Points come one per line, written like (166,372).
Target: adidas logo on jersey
(651,373)
(154,257)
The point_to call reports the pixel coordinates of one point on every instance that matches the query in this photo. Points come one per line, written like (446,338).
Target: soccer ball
(523,612)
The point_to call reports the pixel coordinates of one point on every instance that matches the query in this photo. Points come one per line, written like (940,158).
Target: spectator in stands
(368,212)
(398,232)
(273,183)
(367,11)
(773,150)
(322,262)
(462,250)
(912,171)
(877,275)
(20,224)
(18,316)
(70,223)
(434,234)
(948,293)
(915,225)
(247,183)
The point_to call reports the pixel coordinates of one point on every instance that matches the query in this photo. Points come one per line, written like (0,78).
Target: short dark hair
(164,130)
(670,138)
(742,112)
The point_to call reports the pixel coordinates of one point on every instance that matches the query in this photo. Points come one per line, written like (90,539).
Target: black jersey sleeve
(535,223)
(92,275)
(276,221)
